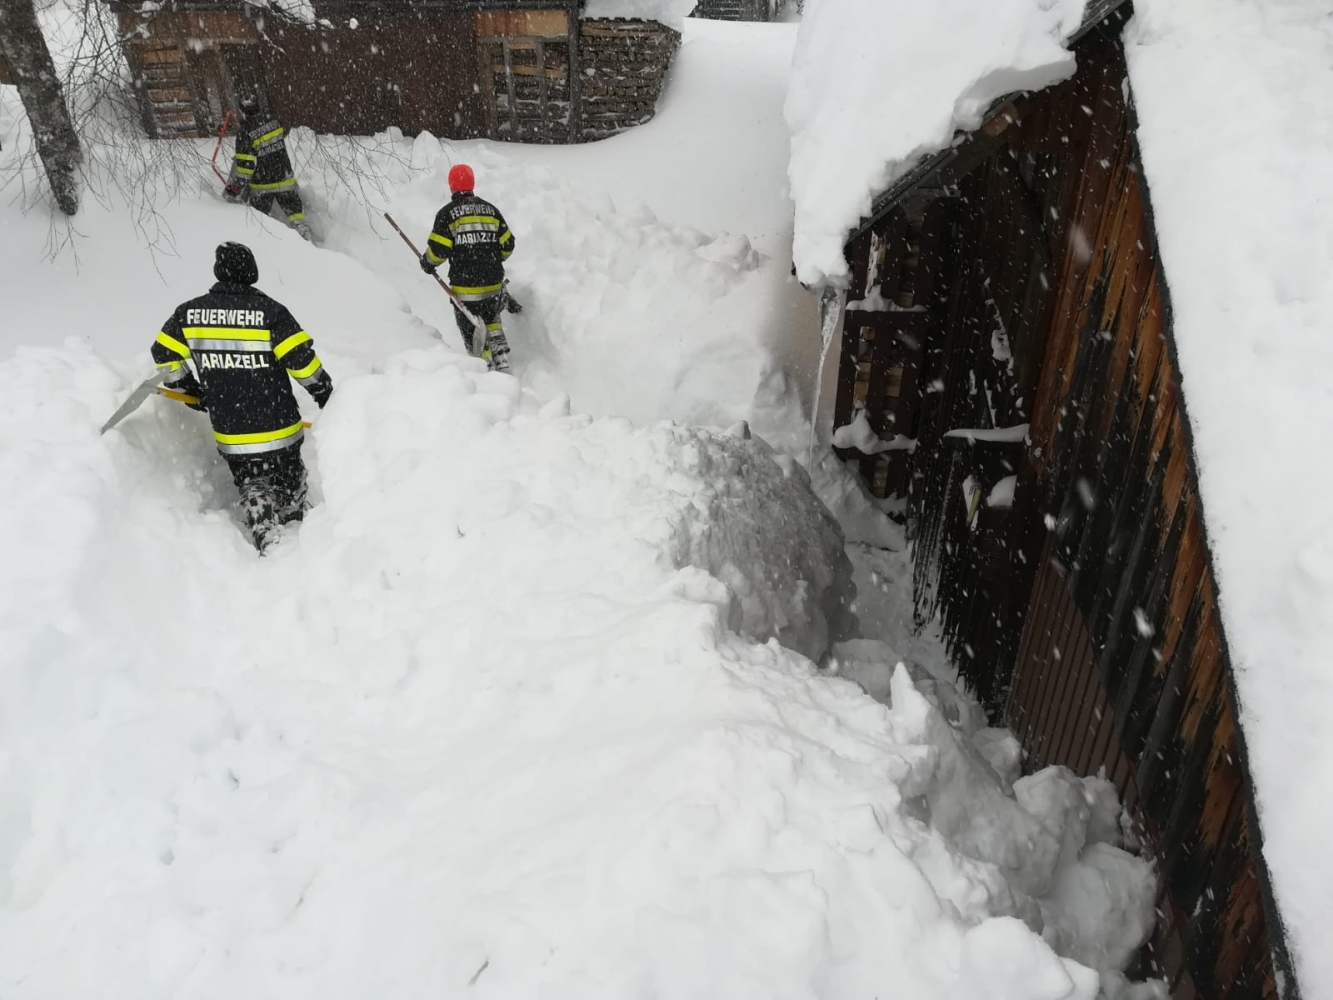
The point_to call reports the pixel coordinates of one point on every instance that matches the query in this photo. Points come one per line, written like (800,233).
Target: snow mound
(669,12)
(878,84)
(488,724)
(1231,99)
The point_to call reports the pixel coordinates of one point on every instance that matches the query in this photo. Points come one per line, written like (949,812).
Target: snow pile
(1237,140)
(861,436)
(484,718)
(669,12)
(878,84)
(522,707)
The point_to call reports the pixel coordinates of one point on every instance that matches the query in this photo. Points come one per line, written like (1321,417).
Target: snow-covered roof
(879,84)
(1236,137)
(669,12)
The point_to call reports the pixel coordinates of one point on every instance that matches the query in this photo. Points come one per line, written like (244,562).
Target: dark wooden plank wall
(409,68)
(413,69)
(1087,610)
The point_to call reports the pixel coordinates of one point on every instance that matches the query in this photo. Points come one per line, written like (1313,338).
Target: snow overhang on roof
(881,90)
(669,12)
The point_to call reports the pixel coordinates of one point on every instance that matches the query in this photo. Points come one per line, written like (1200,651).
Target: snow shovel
(479,338)
(146,388)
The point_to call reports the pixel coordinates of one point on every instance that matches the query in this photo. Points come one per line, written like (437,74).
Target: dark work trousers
(288,200)
(272,487)
(488,310)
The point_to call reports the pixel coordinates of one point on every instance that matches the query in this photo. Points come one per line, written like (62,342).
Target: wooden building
(1009,314)
(522,70)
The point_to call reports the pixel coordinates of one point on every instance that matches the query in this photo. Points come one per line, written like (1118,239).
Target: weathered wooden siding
(406,68)
(413,69)
(175,59)
(1084,612)
(522,72)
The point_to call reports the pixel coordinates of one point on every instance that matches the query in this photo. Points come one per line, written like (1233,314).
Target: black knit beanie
(235,263)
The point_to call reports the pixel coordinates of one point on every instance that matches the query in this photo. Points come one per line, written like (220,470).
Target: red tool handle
(227,119)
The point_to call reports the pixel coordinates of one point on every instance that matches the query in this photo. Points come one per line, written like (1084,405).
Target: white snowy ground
(1237,135)
(509,716)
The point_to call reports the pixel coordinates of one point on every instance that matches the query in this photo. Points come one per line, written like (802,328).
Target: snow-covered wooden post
(32,70)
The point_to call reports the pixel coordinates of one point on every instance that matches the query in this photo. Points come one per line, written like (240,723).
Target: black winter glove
(201,404)
(321,391)
(427,266)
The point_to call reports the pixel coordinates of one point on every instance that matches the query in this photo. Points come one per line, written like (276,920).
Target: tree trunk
(30,66)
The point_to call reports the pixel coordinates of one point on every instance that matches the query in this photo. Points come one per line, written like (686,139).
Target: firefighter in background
(244,348)
(262,170)
(472,235)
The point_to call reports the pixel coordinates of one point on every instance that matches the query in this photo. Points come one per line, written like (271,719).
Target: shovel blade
(135,400)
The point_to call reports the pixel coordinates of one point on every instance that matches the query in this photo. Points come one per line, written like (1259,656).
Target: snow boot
(497,352)
(261,518)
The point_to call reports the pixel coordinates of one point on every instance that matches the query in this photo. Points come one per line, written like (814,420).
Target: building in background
(518,70)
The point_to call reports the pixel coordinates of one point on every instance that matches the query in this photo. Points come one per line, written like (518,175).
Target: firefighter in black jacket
(472,235)
(243,347)
(263,170)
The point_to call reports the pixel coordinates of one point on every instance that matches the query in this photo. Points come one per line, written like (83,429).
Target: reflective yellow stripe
(506,235)
(505,253)
(442,240)
(477,290)
(224,333)
(295,216)
(430,256)
(258,438)
(242,172)
(291,344)
(275,186)
(172,344)
(246,156)
(474,219)
(307,371)
(268,135)
(171,366)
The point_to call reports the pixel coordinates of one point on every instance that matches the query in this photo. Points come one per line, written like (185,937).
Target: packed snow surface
(670,12)
(1232,98)
(878,84)
(529,705)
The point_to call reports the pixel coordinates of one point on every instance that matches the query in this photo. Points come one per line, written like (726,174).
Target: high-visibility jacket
(472,235)
(261,155)
(244,349)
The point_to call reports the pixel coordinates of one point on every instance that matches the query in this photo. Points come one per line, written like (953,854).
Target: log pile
(623,66)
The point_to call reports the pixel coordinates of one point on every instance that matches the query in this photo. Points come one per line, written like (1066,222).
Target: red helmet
(461,178)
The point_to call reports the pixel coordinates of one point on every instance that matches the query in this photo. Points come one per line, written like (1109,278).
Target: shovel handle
(185,397)
(453,296)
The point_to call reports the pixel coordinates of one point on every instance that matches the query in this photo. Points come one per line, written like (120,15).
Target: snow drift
(1237,140)
(509,706)
(527,707)
(878,84)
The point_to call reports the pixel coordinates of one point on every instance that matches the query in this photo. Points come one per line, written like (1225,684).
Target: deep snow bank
(1237,140)
(486,716)
(878,84)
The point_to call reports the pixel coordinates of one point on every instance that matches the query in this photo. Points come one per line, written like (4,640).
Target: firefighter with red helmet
(472,235)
